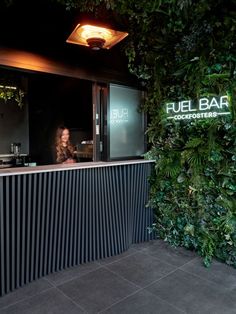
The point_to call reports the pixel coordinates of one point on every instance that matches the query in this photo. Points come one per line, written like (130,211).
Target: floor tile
(142,302)
(118,257)
(143,245)
(97,290)
(24,292)
(71,273)
(140,268)
(193,295)
(150,277)
(218,272)
(48,302)
(165,252)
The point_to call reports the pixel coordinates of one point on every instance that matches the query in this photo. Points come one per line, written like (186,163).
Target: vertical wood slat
(77,196)
(23,230)
(36,191)
(38,222)
(48,261)
(44,225)
(63,224)
(28,226)
(51,221)
(82,205)
(7,236)
(12,232)
(2,241)
(71,240)
(18,229)
(68,223)
(109,204)
(114,200)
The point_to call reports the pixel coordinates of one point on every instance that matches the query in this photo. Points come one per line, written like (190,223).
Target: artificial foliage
(12,93)
(12,89)
(193,187)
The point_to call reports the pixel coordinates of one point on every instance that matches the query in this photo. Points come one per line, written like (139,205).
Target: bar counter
(58,216)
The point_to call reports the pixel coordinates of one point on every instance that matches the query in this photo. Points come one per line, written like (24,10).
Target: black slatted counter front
(54,217)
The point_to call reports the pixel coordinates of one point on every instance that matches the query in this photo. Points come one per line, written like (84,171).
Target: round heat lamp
(96,43)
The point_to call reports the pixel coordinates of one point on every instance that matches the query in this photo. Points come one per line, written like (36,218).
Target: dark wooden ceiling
(43,26)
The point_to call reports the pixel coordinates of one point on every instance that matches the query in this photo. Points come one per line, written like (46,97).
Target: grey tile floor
(150,277)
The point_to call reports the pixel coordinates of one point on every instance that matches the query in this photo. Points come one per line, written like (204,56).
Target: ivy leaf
(181,178)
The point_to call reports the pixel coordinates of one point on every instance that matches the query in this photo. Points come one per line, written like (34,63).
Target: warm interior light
(96,43)
(95,37)
(8,87)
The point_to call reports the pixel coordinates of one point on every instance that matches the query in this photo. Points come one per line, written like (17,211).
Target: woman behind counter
(64,149)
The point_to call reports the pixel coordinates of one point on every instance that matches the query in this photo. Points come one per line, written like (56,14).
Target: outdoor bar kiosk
(57,216)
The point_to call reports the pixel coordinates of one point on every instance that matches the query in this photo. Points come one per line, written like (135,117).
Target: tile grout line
(131,254)
(143,288)
(76,277)
(68,298)
(161,260)
(117,302)
(99,265)
(172,271)
(26,298)
(139,290)
(166,275)
(205,279)
(121,277)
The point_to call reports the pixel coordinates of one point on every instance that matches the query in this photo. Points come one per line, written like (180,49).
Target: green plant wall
(193,187)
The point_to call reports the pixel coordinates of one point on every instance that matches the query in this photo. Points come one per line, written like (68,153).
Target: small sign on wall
(119,115)
(125,122)
(205,107)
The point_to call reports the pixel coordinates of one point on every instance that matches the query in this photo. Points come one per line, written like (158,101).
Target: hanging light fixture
(95,37)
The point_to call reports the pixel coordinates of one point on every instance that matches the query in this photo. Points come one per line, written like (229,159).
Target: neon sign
(205,107)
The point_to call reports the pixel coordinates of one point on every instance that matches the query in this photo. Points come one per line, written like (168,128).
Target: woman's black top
(64,155)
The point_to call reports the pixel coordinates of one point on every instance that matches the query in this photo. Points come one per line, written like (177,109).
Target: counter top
(11,155)
(62,167)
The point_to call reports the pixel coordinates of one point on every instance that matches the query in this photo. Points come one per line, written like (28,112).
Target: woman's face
(65,136)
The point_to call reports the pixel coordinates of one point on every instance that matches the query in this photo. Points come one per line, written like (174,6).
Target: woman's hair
(58,143)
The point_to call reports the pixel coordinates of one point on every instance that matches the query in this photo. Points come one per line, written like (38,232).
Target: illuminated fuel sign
(205,107)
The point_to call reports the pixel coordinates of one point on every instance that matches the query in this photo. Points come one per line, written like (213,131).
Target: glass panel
(126,123)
